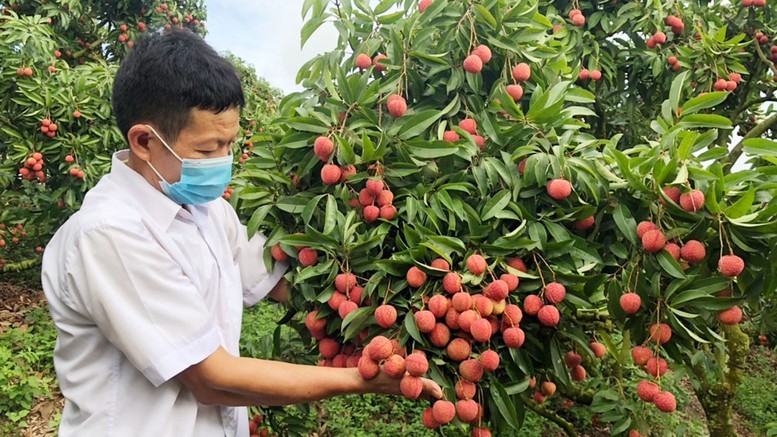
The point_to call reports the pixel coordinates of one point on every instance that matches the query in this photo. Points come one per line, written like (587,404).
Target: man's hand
(280,293)
(384,384)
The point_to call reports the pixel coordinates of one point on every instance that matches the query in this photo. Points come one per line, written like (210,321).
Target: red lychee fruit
(692,201)
(515,91)
(328,348)
(572,359)
(366,198)
(539,397)
(665,401)
(490,360)
(497,290)
(371,213)
(471,370)
(483,305)
(522,166)
(313,323)
(731,265)
(465,389)
(595,74)
(532,304)
(396,105)
(451,282)
(425,321)
(641,355)
(512,315)
(459,349)
(440,335)
(653,241)
(278,254)
(363,61)
(467,410)
(577,373)
(394,366)
(438,305)
(511,280)
(584,224)
(673,250)
(368,368)
(427,417)
(720,85)
(480,141)
(385,315)
(443,411)
(387,212)
(415,277)
(731,316)
(481,432)
(598,349)
(517,264)
(656,367)
(584,74)
(374,187)
(513,337)
(659,37)
(548,388)
(411,386)
(476,264)
(736,77)
(452,319)
(377,62)
(416,364)
(462,301)
(647,390)
(559,189)
(469,125)
(346,308)
(480,330)
(660,332)
(644,226)
(466,318)
(483,52)
(330,174)
(379,348)
(323,148)
(548,315)
(473,64)
(423,4)
(555,292)
(450,136)
(441,264)
(347,171)
(630,303)
(344,282)
(307,257)
(521,72)
(693,252)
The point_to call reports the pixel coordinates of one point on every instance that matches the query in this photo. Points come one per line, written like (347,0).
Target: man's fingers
(432,389)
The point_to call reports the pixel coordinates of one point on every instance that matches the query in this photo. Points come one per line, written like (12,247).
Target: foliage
(756,400)
(619,141)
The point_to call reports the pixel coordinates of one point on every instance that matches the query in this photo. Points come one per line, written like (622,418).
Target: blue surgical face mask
(202,180)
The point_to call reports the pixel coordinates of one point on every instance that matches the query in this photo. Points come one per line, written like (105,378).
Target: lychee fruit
(672,193)
(416,364)
(396,105)
(572,359)
(363,61)
(731,316)
(427,418)
(497,290)
(425,321)
(481,330)
(548,315)
(374,187)
(323,148)
(483,305)
(307,257)
(643,227)
(483,52)
(476,264)
(521,72)
(647,390)
(466,318)
(394,366)
(344,282)
(451,283)
(458,349)
(388,212)
(371,213)
(415,277)
(513,337)
(511,280)
(462,301)
(630,303)
(490,360)
(731,265)
(584,224)
(368,368)
(577,373)
(656,366)
(641,355)
(473,64)
(423,4)
(660,332)
(330,174)
(512,315)
(548,388)
(313,323)
(379,348)
(438,305)
(673,250)
(584,74)
(440,335)
(559,189)
(379,66)
(278,254)
(385,316)
(653,241)
(595,74)
(598,349)
(328,348)
(450,136)
(443,411)
(555,292)
(471,370)
(693,252)
(467,410)
(539,397)
(532,304)
(515,91)
(692,201)
(346,308)
(517,264)
(465,389)
(411,386)
(441,264)
(665,401)
(481,432)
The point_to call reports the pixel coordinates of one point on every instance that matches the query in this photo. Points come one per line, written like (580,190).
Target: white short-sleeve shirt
(141,288)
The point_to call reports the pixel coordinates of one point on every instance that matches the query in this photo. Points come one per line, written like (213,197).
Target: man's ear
(138,138)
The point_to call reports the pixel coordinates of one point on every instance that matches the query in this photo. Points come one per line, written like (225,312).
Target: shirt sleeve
(248,254)
(141,300)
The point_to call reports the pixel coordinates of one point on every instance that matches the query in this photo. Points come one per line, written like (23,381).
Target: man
(146,282)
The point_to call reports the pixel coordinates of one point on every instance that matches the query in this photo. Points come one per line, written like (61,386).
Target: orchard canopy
(516,189)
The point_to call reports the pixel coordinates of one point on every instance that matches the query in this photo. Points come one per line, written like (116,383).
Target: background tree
(541,189)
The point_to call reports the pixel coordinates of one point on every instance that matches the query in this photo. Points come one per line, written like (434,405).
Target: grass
(756,398)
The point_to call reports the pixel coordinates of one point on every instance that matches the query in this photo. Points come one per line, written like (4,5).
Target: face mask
(202,180)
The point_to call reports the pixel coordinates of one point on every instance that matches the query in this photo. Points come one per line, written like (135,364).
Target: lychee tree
(57,132)
(528,201)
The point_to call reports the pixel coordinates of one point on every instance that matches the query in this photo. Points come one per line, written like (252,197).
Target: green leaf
(760,147)
(705,120)
(687,296)
(486,16)
(625,222)
(504,404)
(495,205)
(330,220)
(309,27)
(411,328)
(677,88)
(669,265)
(742,206)
(708,100)
(431,149)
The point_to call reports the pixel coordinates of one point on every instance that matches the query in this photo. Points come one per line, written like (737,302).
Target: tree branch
(757,131)
(553,417)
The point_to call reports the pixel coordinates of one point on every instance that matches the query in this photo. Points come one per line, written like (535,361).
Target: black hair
(168,74)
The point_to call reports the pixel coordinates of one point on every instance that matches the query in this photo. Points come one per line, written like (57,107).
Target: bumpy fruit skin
(555,292)
(630,303)
(497,290)
(469,125)
(731,265)
(559,189)
(515,91)
(385,315)
(584,224)
(427,418)
(278,254)
(387,212)
(313,323)
(394,366)
(653,241)
(647,390)
(328,348)
(578,20)
(672,193)
(467,410)
(673,250)
(692,201)
(440,335)
(481,330)
(363,61)
(330,174)
(465,389)
(572,359)
(307,257)
(473,64)
(471,370)
(644,226)
(476,264)
(466,318)
(344,282)
(416,277)
(481,432)
(665,401)
(731,316)
(346,308)
(379,348)
(438,305)
(439,263)
(511,280)
(532,304)
(548,388)
(368,368)
(521,72)
(693,252)
(443,411)
(411,386)
(538,397)
(423,4)
(416,364)
(462,301)
(397,106)
(549,315)
(450,136)
(656,367)
(490,360)
(641,355)
(459,349)
(584,74)
(660,332)
(517,264)
(578,373)
(598,349)
(425,321)
(483,52)
(376,61)
(323,147)
(595,74)
(386,197)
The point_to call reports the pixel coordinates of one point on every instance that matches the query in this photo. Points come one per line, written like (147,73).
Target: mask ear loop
(159,137)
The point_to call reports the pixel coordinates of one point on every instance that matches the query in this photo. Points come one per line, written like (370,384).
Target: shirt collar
(141,193)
